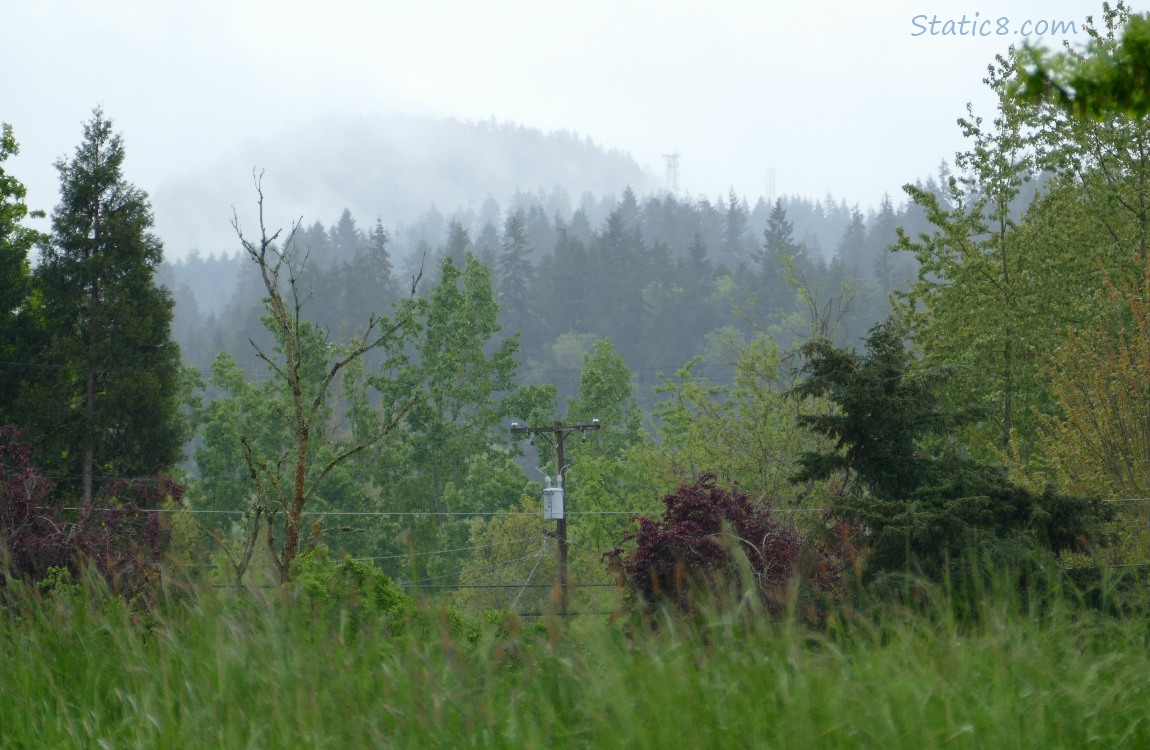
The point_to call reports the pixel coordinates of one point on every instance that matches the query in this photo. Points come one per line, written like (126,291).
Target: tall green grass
(205,670)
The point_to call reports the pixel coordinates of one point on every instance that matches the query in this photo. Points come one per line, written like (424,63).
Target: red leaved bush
(688,555)
(116,532)
(30,521)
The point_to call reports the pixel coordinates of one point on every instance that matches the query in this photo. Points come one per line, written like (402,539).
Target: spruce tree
(108,403)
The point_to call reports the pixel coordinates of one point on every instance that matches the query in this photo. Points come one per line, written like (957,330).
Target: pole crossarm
(558,428)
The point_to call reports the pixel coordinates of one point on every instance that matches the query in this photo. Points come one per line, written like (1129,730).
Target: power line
(445,551)
(538,559)
(485,568)
(389,513)
(504,586)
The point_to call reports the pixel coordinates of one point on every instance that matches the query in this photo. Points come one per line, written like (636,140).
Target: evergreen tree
(616,271)
(852,244)
(515,278)
(108,403)
(458,246)
(315,243)
(540,231)
(487,244)
(735,231)
(779,248)
(883,233)
(921,500)
(346,239)
(779,236)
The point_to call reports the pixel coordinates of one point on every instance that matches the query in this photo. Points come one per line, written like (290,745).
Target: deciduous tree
(17,318)
(306,367)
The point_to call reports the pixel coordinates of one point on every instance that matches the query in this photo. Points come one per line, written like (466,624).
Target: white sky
(834,96)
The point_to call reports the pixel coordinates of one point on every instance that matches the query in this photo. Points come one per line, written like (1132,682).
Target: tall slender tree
(108,405)
(515,275)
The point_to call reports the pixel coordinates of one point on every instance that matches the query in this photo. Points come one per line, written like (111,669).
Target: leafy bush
(116,533)
(351,592)
(709,538)
(30,526)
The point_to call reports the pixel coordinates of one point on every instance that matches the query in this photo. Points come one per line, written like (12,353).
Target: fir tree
(107,405)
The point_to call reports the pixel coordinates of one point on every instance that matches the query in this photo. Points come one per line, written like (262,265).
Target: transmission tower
(770,186)
(672,178)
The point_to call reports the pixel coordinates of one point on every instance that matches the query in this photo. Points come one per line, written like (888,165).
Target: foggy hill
(392,168)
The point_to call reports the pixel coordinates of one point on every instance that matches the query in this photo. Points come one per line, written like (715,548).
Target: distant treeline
(665,278)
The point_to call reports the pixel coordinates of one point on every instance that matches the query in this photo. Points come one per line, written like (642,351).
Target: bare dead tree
(284,304)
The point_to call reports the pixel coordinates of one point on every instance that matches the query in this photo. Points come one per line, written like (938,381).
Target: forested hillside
(963,366)
(664,278)
(394,168)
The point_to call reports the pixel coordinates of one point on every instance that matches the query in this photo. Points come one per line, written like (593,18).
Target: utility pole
(560,431)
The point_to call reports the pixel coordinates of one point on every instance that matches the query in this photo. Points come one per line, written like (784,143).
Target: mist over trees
(393,167)
(999,309)
(659,276)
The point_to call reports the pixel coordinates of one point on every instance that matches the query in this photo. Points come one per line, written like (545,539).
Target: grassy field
(208,671)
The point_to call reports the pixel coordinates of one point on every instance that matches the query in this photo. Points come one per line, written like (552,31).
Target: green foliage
(461,382)
(1109,77)
(510,549)
(18,318)
(206,672)
(106,401)
(58,581)
(606,394)
(746,434)
(981,303)
(352,593)
(884,410)
(921,500)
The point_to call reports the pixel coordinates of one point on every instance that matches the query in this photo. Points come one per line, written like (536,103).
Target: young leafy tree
(1099,441)
(108,404)
(608,474)
(969,303)
(746,433)
(306,367)
(17,318)
(462,387)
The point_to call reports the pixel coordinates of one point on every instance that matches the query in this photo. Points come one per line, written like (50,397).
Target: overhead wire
(530,575)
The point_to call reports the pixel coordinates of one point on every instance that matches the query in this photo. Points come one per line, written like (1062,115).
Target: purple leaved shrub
(690,556)
(117,533)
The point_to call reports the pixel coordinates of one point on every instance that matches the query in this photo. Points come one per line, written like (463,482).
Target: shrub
(350,591)
(116,532)
(30,521)
(708,538)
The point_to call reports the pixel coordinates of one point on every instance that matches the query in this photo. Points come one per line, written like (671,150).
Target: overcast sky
(846,97)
